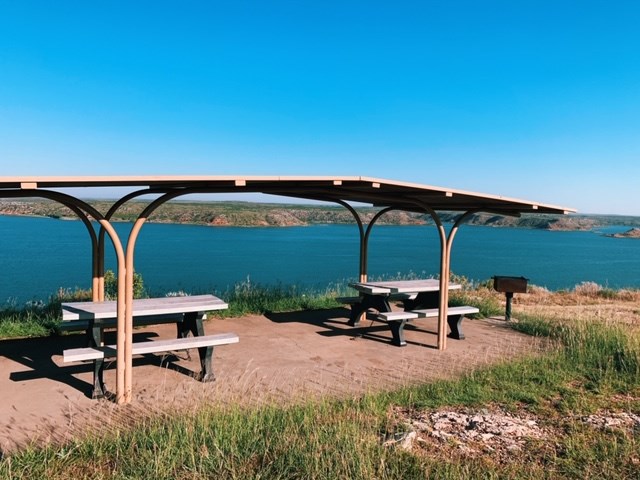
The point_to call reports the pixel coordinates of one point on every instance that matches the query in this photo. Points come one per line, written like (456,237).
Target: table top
(401,286)
(142,306)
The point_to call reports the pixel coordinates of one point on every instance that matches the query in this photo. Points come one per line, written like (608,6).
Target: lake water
(39,255)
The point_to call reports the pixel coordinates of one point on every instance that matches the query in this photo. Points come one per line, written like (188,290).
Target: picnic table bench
(187,312)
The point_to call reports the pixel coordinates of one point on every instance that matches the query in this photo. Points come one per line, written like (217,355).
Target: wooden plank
(145,303)
(391,316)
(370,289)
(433,312)
(401,286)
(141,348)
(142,302)
(142,307)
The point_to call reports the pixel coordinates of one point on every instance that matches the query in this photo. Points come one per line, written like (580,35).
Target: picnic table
(187,312)
(420,299)
(414,294)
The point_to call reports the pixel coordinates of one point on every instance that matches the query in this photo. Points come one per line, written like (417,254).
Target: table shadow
(333,322)
(37,354)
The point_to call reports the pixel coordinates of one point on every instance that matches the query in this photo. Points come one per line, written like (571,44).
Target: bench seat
(397,321)
(142,348)
(433,312)
(204,344)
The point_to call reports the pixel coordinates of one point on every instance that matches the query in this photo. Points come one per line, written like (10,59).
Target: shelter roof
(368,190)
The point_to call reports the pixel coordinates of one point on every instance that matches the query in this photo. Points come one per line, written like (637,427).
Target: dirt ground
(283,356)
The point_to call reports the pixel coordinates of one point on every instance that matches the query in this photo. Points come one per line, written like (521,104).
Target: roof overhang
(374,191)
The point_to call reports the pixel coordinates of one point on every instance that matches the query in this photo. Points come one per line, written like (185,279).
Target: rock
(407,441)
(496,431)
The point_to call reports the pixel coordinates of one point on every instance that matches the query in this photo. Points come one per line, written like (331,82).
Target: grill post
(509,285)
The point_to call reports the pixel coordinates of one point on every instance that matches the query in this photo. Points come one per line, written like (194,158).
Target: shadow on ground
(333,323)
(37,354)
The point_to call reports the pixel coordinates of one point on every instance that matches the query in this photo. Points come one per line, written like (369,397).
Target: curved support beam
(128,283)
(446,245)
(462,218)
(364,235)
(364,262)
(363,246)
(444,276)
(81,215)
(94,250)
(117,245)
(112,210)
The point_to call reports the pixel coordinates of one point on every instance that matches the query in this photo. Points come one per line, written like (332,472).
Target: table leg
(193,323)
(95,339)
(376,302)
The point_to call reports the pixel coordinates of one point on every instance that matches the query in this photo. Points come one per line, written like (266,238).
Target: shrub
(111,285)
(587,289)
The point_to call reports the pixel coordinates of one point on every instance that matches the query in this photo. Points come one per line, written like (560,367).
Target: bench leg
(397,331)
(95,339)
(376,302)
(455,324)
(193,323)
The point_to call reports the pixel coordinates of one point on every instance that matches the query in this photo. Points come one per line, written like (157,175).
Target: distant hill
(248,214)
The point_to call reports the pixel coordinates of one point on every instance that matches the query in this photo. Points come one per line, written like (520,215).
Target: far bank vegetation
(251,214)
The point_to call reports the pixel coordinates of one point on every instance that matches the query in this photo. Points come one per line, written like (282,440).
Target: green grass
(37,320)
(591,367)
(250,298)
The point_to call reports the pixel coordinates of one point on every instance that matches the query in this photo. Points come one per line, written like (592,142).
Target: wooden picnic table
(187,312)
(420,298)
(414,294)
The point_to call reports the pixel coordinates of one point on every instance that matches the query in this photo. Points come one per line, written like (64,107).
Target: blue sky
(537,100)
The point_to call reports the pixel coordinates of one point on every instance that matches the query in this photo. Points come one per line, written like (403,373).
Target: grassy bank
(37,319)
(593,368)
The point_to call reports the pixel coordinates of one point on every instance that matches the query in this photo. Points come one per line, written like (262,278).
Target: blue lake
(40,255)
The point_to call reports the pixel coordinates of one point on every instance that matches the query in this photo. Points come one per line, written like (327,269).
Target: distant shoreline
(632,233)
(251,214)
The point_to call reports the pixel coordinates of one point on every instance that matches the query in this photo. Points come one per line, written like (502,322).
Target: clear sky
(530,99)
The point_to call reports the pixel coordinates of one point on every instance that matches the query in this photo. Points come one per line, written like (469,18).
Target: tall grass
(601,352)
(251,298)
(37,319)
